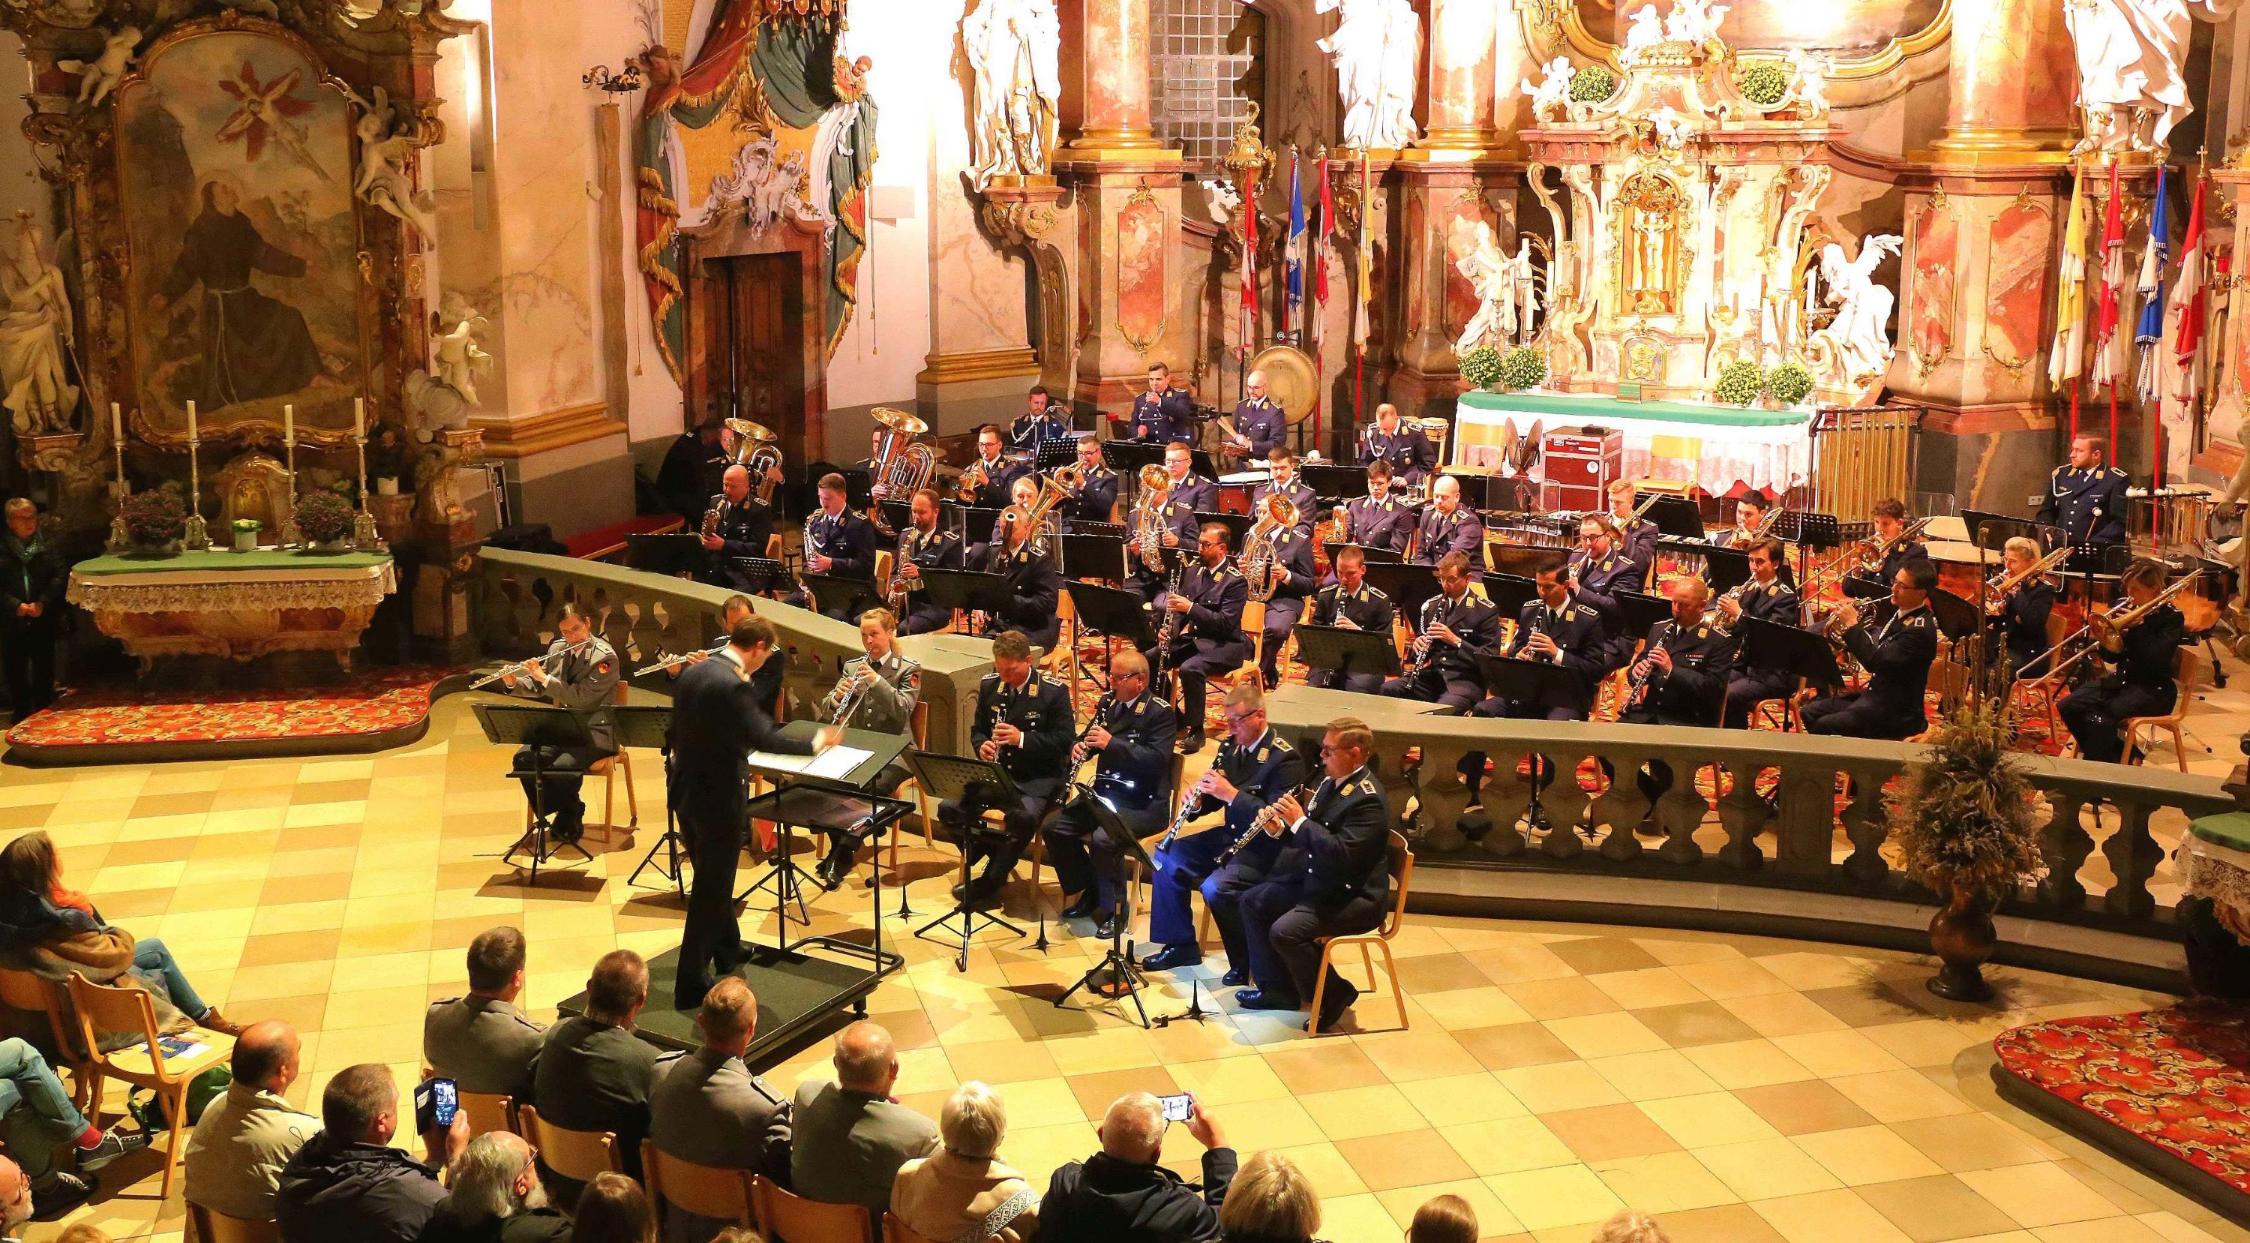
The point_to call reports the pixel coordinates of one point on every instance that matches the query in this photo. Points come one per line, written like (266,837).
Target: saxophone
(810,546)
(896,598)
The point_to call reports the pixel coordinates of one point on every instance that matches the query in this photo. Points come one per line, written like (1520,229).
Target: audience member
(82,1232)
(1443,1219)
(1630,1227)
(495,1197)
(480,1040)
(45,1130)
(33,576)
(964,1191)
(614,1209)
(15,1199)
(347,1184)
(707,1107)
(246,1137)
(593,1072)
(54,931)
(1122,1195)
(1270,1201)
(849,1137)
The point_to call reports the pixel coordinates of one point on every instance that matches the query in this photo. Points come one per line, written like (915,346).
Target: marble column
(1461,75)
(1113,47)
(2011,76)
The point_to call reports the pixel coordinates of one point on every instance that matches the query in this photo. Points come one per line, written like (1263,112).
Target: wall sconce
(624,82)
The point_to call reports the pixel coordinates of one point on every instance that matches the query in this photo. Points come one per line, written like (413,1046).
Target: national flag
(2067,360)
(2189,308)
(1296,246)
(2148,328)
(1322,235)
(2108,363)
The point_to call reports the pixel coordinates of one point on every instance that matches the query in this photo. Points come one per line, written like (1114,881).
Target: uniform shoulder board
(1570,614)
(2115,473)
(1702,632)
(1376,592)
(1475,593)
(1049,679)
(1280,745)
(2060,469)
(674,1056)
(988,680)
(1919,618)
(1367,786)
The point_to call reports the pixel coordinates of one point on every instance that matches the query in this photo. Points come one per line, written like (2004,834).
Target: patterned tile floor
(1741,1089)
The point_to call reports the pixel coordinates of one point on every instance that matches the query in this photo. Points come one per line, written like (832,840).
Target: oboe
(1264,818)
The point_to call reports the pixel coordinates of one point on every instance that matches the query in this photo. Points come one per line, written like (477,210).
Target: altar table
(237,605)
(1710,446)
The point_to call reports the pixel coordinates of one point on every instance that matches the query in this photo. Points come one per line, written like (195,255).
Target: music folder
(1789,650)
(1521,680)
(1346,650)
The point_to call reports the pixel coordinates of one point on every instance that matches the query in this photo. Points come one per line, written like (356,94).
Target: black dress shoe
(1334,1000)
(961,892)
(689,996)
(1235,977)
(1105,925)
(1086,905)
(1262,999)
(1173,957)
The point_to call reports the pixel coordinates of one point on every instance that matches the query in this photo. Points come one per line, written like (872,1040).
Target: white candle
(191,421)
(289,423)
(117,422)
(359,416)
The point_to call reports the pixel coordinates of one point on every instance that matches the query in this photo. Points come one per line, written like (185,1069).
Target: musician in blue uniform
(922,546)
(1131,741)
(987,482)
(1601,571)
(1024,724)
(743,528)
(1096,497)
(578,672)
(1041,422)
(1766,596)
(877,691)
(2019,618)
(1896,655)
(1634,536)
(1893,545)
(1331,879)
(1351,603)
(1408,453)
(1254,767)
(1258,425)
(1448,526)
(1163,413)
(1556,628)
(2085,498)
(1379,519)
(838,543)
(2144,659)
(1188,488)
(1288,580)
(1028,559)
(716,723)
(1680,677)
(1284,482)
(1176,525)
(1206,627)
(1750,511)
(1455,624)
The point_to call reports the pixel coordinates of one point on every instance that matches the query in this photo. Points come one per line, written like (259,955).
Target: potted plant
(1481,367)
(324,520)
(1521,368)
(1789,384)
(1592,85)
(246,534)
(1763,82)
(1739,382)
(155,520)
(1968,820)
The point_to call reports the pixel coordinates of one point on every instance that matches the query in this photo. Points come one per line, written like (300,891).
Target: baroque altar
(239,606)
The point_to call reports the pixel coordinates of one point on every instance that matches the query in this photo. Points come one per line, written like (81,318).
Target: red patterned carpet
(370,711)
(2175,1080)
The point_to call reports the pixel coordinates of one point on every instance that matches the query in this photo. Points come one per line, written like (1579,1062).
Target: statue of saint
(36,332)
(1016,88)
(2131,60)
(1376,47)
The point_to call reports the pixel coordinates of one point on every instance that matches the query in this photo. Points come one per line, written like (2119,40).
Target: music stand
(1808,530)
(536,726)
(1725,569)
(1200,464)
(978,523)
(857,594)
(1126,457)
(1094,526)
(1334,483)
(975,786)
(1640,612)
(785,874)
(759,574)
(1408,585)
(1370,553)
(897,515)
(1509,593)
(1518,679)
(968,590)
(681,555)
(1089,555)
(1519,560)
(858,485)
(1116,975)
(1675,516)
(1237,525)
(1061,451)
(1790,650)
(1346,651)
(1992,532)
(649,726)
(1113,613)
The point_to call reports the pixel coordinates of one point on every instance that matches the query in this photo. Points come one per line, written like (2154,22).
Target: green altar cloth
(215,561)
(1601,409)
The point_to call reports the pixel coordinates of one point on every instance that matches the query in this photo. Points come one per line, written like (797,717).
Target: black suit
(1163,419)
(1450,677)
(1331,880)
(2022,626)
(716,724)
(30,574)
(1206,639)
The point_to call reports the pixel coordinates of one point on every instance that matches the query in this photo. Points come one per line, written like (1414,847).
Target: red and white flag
(2189,309)
(2109,367)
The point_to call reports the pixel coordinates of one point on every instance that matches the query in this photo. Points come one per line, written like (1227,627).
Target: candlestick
(191,423)
(119,539)
(359,417)
(289,423)
(198,534)
(364,535)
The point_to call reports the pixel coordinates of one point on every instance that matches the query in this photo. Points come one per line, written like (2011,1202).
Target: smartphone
(435,1103)
(1177,1108)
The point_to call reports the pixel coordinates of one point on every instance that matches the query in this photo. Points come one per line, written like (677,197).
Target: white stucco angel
(99,76)
(1222,198)
(1551,94)
(386,145)
(2131,60)
(1645,32)
(1376,47)
(1859,334)
(1671,128)
(459,359)
(36,334)
(1014,50)
(1694,21)
(1808,81)
(1491,275)
(1523,270)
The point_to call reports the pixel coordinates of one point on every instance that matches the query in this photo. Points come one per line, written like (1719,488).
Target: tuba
(1277,514)
(902,466)
(1024,525)
(756,450)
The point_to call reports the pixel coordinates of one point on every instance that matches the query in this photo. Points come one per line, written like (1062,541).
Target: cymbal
(899,421)
(752,431)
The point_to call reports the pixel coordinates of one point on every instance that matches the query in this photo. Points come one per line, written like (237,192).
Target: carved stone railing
(648,616)
(1804,819)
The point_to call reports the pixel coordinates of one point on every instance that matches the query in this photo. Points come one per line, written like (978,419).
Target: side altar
(240,606)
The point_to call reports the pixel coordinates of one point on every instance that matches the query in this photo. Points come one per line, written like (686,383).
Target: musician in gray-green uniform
(480,1040)
(878,691)
(578,672)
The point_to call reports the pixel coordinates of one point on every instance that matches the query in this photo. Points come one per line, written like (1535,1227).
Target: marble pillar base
(1994,458)
(955,392)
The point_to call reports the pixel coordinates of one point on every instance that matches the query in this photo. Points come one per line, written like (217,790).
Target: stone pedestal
(980,364)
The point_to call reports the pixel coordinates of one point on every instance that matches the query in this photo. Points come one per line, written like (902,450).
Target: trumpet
(1258,824)
(524,665)
(850,701)
(670,663)
(973,480)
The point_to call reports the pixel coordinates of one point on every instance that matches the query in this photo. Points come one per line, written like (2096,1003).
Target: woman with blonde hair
(1269,1201)
(964,1190)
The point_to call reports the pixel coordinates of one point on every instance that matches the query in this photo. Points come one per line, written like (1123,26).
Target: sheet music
(834,764)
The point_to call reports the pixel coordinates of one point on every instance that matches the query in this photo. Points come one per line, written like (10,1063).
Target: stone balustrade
(649,616)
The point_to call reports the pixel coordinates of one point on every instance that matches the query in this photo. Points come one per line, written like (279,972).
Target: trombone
(2004,585)
(2116,619)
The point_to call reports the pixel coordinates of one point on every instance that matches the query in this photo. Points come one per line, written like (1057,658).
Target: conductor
(716,724)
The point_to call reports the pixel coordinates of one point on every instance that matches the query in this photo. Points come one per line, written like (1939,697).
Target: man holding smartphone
(1123,1194)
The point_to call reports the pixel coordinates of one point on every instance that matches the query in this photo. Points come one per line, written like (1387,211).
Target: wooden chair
(489,1111)
(34,993)
(1402,876)
(578,1155)
(2045,686)
(607,768)
(784,1217)
(2190,662)
(920,727)
(103,1008)
(213,1226)
(675,1185)
(896,1231)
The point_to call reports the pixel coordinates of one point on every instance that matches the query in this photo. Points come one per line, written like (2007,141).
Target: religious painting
(236,157)
(2015,282)
(1141,271)
(1937,266)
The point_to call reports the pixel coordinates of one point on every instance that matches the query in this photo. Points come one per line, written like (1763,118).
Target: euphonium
(711,516)
(1148,517)
(1279,515)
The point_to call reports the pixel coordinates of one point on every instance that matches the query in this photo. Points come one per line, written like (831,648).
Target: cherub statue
(386,143)
(1223,199)
(1551,94)
(434,406)
(459,359)
(1808,81)
(1694,21)
(99,76)
(1671,128)
(1646,32)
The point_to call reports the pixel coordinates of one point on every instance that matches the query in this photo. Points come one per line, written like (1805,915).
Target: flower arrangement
(155,518)
(1968,815)
(1482,367)
(246,534)
(1789,383)
(1763,82)
(1592,85)
(1739,383)
(1523,367)
(323,517)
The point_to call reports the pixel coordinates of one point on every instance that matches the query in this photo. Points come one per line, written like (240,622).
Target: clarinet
(1078,753)
(1428,650)
(1187,804)
(1165,630)
(1258,825)
(1646,673)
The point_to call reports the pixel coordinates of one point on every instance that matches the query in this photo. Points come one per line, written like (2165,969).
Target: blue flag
(2148,329)
(1296,245)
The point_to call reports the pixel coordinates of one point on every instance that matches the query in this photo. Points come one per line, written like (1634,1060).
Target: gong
(1291,380)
